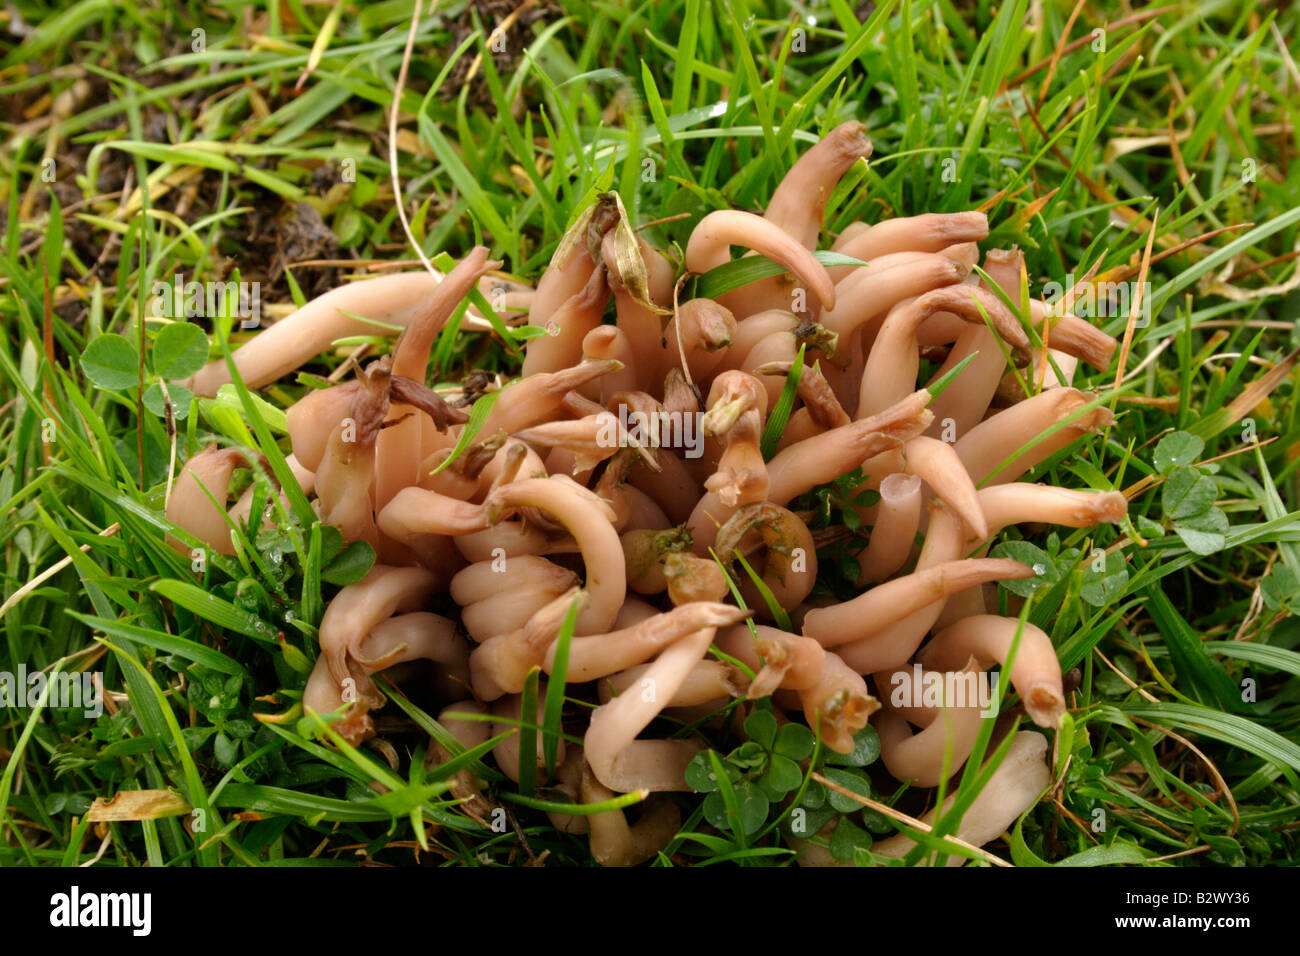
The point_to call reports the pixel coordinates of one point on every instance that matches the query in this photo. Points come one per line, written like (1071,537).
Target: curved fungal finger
(618,759)
(508,611)
(568,272)
(799,202)
(561,346)
(893,361)
(312,418)
(485,580)
(992,450)
(964,254)
(838,705)
(821,409)
(874,290)
(755,329)
(643,511)
(590,439)
(895,644)
(348,469)
(1021,502)
(639,325)
(634,611)
(538,398)
(931,755)
(512,461)
(885,604)
(645,424)
(418,511)
(917,694)
(737,405)
(660,274)
(819,398)
(419,396)
(790,662)
(411,353)
(599,655)
(587,519)
(781,347)
(418,635)
(670,486)
(680,396)
(500,664)
(963,404)
(506,539)
(190,508)
(1019,780)
(825,457)
(508,712)
(243,508)
(938,466)
(613,841)
(324,695)
(612,488)
(460,479)
(849,233)
(1035,672)
(1006,267)
(457,720)
(928,232)
(611,342)
(942,328)
(469,734)
(358,608)
(778,659)
(392,300)
(397,640)
(707,681)
(702,329)
(579,405)
(799,427)
(1073,335)
(710,240)
(892,536)
(1047,369)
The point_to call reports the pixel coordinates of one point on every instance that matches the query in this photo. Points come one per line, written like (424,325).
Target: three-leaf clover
(760,772)
(179,349)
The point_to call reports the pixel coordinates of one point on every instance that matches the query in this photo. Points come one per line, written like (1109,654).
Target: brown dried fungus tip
(789,568)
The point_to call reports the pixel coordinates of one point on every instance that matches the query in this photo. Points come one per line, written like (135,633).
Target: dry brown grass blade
(1135,306)
(1032,209)
(1259,267)
(1084,40)
(1059,52)
(887,810)
(1220,783)
(138,805)
(1183,176)
(1256,391)
(1123,273)
(997,197)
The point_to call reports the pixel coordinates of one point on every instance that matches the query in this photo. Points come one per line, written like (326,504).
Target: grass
(147,141)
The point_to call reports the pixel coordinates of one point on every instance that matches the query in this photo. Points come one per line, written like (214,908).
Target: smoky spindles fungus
(595,520)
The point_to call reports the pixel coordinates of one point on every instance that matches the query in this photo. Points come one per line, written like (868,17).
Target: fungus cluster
(621,478)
